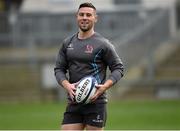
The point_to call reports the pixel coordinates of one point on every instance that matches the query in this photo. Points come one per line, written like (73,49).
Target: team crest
(89,49)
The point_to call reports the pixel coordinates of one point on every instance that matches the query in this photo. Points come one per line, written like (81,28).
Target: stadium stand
(4,30)
(34,38)
(164,83)
(61,6)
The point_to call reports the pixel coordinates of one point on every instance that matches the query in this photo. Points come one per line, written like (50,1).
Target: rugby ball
(85,88)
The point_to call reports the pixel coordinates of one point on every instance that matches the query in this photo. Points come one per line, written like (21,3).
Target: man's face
(86,18)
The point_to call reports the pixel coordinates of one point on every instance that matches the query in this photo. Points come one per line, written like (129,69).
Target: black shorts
(93,114)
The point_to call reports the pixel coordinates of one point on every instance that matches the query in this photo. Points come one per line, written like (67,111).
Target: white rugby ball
(85,89)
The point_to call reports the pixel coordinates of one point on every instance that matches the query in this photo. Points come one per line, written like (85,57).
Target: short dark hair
(87,4)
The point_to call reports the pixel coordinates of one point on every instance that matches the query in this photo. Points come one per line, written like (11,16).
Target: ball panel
(90,95)
(85,89)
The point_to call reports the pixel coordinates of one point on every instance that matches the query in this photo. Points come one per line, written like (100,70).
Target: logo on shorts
(98,119)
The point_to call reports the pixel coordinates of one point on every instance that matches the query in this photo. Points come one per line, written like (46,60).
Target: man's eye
(81,14)
(89,15)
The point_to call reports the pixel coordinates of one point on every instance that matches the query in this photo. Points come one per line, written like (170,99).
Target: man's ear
(96,18)
(76,14)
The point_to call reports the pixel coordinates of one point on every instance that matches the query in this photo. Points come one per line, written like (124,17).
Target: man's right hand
(70,88)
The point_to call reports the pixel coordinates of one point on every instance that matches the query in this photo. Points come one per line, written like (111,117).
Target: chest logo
(89,49)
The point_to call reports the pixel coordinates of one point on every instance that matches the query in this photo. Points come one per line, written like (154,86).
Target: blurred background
(145,34)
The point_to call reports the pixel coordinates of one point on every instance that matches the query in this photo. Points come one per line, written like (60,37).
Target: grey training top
(91,56)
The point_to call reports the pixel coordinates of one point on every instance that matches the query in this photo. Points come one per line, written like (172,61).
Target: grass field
(121,115)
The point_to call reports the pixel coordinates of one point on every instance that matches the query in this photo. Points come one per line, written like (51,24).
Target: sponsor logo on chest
(70,47)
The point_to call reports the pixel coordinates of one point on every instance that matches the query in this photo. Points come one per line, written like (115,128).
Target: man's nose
(84,16)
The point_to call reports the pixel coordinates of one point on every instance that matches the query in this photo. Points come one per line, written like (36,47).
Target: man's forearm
(65,83)
(107,84)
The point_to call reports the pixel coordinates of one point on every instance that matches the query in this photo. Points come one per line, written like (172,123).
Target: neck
(85,35)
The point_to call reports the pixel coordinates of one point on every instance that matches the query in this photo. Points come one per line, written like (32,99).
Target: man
(87,53)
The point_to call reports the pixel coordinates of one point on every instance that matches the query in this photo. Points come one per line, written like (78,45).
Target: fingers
(94,97)
(75,84)
(98,86)
(100,90)
(71,91)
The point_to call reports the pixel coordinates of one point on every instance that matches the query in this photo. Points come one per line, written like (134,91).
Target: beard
(84,29)
(85,26)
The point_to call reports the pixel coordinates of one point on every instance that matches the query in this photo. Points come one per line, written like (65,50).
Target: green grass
(121,115)
(144,115)
(31,116)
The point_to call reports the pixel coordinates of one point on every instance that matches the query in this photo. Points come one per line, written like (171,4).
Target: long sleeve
(61,65)
(114,62)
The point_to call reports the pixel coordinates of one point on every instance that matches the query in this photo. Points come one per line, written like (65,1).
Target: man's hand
(71,88)
(101,89)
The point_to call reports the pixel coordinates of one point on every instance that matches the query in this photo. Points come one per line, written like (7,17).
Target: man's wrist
(108,84)
(65,84)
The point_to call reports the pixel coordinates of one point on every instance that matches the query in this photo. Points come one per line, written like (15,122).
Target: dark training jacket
(91,56)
